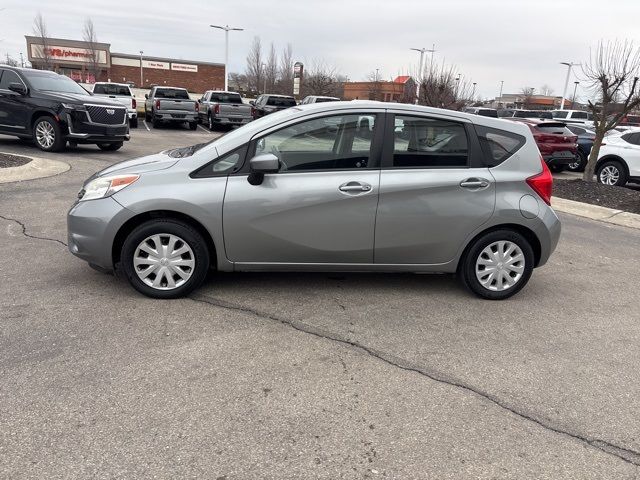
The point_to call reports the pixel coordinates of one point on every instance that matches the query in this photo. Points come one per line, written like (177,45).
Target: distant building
(402,90)
(535,102)
(73,58)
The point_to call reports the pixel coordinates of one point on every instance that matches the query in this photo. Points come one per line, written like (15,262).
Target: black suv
(269,103)
(52,109)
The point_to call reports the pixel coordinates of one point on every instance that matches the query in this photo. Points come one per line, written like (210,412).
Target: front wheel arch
(132,223)
(614,158)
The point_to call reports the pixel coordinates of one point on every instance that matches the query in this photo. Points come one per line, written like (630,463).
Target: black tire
(133,123)
(467,267)
(147,117)
(155,122)
(211,123)
(110,147)
(557,168)
(193,125)
(612,166)
(188,234)
(580,164)
(48,123)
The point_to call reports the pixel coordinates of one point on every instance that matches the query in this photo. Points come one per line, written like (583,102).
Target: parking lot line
(200,126)
(146,126)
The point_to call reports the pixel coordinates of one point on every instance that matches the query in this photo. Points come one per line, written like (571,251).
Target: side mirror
(18,88)
(252,102)
(261,164)
(146,95)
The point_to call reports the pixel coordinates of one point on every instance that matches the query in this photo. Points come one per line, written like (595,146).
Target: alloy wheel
(164,261)
(500,266)
(45,134)
(609,175)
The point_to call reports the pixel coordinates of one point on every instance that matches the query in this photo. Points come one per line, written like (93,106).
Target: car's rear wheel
(579,164)
(47,135)
(212,125)
(611,172)
(193,125)
(165,258)
(497,265)
(133,123)
(556,168)
(110,147)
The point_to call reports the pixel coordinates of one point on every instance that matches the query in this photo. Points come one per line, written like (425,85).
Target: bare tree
(612,72)
(442,88)
(238,82)
(271,69)
(375,86)
(90,37)
(40,30)
(9,60)
(254,65)
(546,90)
(319,79)
(526,94)
(285,71)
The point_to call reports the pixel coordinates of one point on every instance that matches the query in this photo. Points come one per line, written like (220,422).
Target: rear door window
(498,145)
(8,77)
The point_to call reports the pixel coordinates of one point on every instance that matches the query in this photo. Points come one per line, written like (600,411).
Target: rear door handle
(351,187)
(474,183)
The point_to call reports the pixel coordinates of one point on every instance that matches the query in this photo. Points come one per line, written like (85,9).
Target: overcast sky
(518,41)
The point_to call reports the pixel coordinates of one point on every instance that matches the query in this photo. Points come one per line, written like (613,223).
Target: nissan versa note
(341,186)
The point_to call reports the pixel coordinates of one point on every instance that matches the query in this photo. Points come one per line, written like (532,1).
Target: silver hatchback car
(342,186)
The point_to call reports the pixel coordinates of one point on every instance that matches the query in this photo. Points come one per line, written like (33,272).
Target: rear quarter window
(498,145)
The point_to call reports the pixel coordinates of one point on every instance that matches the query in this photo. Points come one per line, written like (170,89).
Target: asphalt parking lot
(278,376)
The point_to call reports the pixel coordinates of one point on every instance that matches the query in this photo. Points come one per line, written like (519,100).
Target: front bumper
(80,130)
(91,229)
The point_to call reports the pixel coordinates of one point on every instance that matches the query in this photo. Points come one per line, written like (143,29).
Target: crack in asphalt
(625,454)
(24,231)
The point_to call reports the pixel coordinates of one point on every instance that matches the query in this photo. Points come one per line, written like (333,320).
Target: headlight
(105,186)
(71,106)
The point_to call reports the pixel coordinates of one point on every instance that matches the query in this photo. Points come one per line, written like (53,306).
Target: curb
(596,212)
(36,168)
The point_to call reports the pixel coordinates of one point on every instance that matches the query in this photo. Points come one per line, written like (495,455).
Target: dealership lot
(309,375)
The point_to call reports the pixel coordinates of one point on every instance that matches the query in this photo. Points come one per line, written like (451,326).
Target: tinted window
(52,82)
(633,138)
(498,145)
(424,143)
(229,163)
(337,142)
(326,99)
(281,102)
(8,77)
(554,128)
(560,114)
(177,93)
(576,130)
(112,89)
(486,112)
(579,115)
(225,97)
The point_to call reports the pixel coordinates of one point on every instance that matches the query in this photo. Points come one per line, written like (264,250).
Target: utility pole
(569,65)
(226,29)
(473,92)
(573,101)
(21,60)
(500,96)
(141,71)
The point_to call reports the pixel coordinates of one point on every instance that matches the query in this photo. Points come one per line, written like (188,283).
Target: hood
(79,98)
(150,163)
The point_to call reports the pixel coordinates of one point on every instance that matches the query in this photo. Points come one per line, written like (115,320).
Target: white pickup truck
(170,104)
(120,92)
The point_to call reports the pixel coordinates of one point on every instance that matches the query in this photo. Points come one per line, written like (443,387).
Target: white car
(318,99)
(120,92)
(619,160)
(577,117)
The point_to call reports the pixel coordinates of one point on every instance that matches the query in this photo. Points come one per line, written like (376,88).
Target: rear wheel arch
(134,222)
(527,233)
(614,158)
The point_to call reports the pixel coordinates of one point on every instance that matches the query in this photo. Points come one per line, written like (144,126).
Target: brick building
(74,59)
(402,89)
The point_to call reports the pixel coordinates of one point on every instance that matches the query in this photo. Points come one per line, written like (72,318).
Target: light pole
(226,29)
(569,65)
(264,72)
(141,72)
(420,71)
(500,96)
(575,89)
(473,92)
(21,60)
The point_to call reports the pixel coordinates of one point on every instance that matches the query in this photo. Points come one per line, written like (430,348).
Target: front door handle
(351,187)
(474,183)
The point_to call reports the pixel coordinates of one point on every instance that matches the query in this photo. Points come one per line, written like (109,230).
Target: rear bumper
(232,121)
(176,116)
(554,159)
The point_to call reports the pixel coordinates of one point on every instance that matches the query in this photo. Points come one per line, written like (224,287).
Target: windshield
(178,93)
(52,82)
(112,89)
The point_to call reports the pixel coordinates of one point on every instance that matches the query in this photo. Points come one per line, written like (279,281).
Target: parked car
(630,121)
(619,158)
(444,191)
(170,105)
(573,116)
(485,112)
(52,110)
(223,108)
(585,142)
(318,99)
(540,114)
(269,103)
(121,92)
(558,146)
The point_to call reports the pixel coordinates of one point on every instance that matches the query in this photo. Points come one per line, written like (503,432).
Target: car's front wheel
(47,135)
(611,172)
(165,258)
(497,265)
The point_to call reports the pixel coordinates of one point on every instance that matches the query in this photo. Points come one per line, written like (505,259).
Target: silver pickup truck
(224,108)
(120,92)
(170,104)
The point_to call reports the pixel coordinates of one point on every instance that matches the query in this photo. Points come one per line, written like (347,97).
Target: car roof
(223,91)
(112,83)
(276,95)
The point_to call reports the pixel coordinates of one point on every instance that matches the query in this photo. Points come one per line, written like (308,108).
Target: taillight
(216,109)
(542,183)
(157,104)
(253,112)
(133,103)
(197,107)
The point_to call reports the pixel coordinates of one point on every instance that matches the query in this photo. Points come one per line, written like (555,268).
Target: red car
(557,144)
